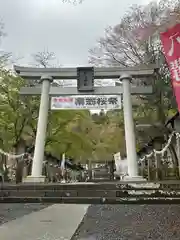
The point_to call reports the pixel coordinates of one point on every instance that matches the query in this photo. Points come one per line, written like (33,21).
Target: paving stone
(56,222)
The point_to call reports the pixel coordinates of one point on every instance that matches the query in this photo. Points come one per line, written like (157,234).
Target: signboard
(85,79)
(106,102)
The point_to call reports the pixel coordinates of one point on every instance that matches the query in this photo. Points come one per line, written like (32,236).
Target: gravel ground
(114,222)
(130,222)
(10,212)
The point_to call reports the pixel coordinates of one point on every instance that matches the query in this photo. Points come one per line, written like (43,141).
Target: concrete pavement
(57,222)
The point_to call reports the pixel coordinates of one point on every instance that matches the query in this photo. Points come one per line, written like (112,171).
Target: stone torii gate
(85,86)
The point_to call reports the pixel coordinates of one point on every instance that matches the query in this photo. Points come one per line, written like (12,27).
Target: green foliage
(14,114)
(73,132)
(64,135)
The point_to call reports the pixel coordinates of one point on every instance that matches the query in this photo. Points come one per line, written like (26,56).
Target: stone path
(56,222)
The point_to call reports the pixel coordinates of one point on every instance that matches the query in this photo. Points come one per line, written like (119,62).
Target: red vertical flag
(171,44)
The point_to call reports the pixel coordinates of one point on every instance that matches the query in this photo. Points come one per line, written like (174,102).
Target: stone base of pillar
(116,173)
(31,179)
(119,175)
(134,179)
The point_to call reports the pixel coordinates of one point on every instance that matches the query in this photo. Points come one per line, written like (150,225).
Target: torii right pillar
(130,131)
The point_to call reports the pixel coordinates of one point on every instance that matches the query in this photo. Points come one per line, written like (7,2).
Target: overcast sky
(69,31)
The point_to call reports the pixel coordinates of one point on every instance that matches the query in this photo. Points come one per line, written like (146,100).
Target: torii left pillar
(37,164)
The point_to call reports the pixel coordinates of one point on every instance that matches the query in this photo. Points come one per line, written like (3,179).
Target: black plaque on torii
(85,79)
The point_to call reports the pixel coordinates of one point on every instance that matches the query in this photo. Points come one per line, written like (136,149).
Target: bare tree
(4,56)
(73,1)
(119,47)
(44,58)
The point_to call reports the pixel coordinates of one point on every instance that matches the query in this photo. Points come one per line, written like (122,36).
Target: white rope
(12,165)
(147,156)
(11,155)
(162,151)
(177,135)
(166,146)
